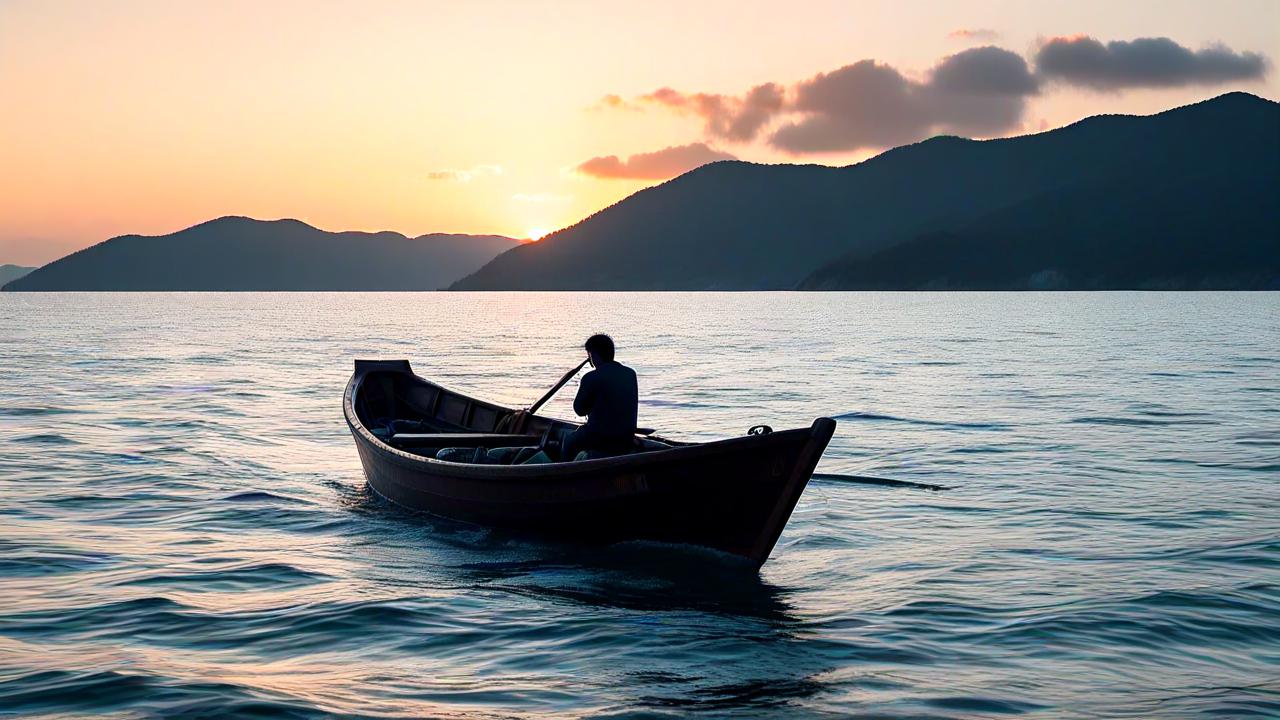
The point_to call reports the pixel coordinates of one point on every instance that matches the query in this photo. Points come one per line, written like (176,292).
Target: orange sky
(147,117)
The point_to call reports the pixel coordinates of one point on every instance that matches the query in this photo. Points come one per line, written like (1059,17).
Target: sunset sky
(522,117)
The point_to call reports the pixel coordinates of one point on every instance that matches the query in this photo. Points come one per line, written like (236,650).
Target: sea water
(185,530)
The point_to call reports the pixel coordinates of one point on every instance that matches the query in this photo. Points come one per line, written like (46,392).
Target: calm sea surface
(185,530)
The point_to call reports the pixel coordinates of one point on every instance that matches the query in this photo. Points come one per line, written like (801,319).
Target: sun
(537,233)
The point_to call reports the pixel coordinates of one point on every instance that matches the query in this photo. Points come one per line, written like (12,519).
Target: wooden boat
(731,495)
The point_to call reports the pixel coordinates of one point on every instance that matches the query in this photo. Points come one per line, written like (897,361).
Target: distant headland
(239,253)
(1185,199)
(12,272)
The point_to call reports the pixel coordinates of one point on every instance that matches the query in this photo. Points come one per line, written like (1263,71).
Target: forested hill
(1110,201)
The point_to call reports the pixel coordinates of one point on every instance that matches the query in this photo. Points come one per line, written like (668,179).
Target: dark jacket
(608,397)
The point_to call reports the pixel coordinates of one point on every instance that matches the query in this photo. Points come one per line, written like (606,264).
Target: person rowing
(608,397)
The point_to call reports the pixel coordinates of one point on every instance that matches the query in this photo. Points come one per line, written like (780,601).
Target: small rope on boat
(759,430)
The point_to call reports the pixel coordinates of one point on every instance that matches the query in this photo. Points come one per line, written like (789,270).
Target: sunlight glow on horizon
(146,117)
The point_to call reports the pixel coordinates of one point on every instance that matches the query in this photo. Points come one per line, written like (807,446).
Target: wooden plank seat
(463,440)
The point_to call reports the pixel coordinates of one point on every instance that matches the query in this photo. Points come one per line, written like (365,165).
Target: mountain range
(1185,199)
(239,253)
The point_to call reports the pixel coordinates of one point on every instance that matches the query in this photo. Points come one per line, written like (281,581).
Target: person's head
(599,349)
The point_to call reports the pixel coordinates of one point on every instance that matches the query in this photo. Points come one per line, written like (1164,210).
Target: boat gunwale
(561,470)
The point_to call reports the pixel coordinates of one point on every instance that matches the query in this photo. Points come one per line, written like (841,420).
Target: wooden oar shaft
(551,393)
(879,481)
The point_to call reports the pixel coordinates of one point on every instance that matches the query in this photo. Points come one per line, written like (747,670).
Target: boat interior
(424,419)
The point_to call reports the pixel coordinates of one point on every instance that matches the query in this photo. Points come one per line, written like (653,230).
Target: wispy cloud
(725,117)
(465,176)
(657,165)
(616,102)
(977,34)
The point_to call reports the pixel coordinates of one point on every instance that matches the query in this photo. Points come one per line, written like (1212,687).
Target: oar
(551,393)
(879,481)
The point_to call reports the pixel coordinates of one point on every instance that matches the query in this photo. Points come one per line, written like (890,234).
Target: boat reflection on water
(662,625)
(640,576)
(633,575)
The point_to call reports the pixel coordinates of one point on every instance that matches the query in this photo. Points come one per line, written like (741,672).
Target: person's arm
(586,396)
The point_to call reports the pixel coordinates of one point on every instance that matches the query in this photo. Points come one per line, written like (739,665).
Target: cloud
(615,102)
(984,71)
(978,34)
(725,117)
(465,176)
(657,165)
(865,104)
(980,91)
(1143,63)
